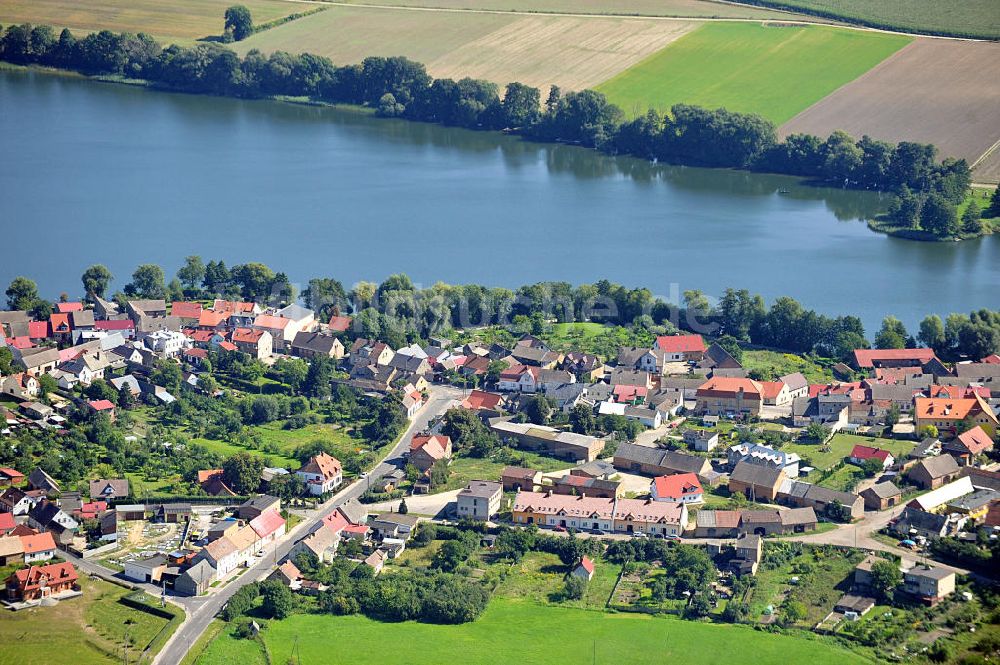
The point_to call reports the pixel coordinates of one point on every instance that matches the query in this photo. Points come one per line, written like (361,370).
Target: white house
(321,474)
(166,342)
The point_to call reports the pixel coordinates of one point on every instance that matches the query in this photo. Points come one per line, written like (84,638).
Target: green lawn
(538,578)
(773,364)
(566,335)
(772,71)
(823,457)
(463,469)
(275,437)
(227,449)
(89,630)
(527,633)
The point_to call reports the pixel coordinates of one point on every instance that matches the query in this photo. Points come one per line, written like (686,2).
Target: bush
(575,587)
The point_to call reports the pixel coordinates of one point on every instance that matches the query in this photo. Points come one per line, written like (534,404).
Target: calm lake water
(95,172)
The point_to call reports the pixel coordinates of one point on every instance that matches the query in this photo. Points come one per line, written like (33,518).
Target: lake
(103,173)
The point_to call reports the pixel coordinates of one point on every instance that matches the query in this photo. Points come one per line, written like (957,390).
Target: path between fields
(687,19)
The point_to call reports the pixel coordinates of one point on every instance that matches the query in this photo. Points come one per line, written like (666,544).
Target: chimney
(583,495)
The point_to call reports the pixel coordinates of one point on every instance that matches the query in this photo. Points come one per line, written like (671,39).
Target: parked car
(560,529)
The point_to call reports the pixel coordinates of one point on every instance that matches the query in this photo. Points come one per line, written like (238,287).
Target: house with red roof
(678,488)
(38,329)
(38,547)
(584,569)
(67,307)
(322,473)
(37,582)
(480,400)
(283,330)
(681,347)
(968,445)
(776,393)
(254,342)
(339,324)
(210,319)
(59,325)
(124,326)
(188,312)
(872,358)
(269,526)
(946,414)
(519,378)
(626,394)
(428,449)
(20,343)
(731,395)
(7,523)
(861,454)
(102,406)
(9,476)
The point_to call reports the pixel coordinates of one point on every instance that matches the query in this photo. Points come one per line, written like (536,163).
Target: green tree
(147,282)
(892,334)
(95,280)
(732,346)
(47,384)
(278,599)
(575,587)
(932,333)
(126,400)
(403,509)
(939,216)
(582,420)
(22,294)
(538,409)
(905,209)
(192,273)
(885,577)
(794,612)
(239,22)
(242,472)
(6,361)
(993,210)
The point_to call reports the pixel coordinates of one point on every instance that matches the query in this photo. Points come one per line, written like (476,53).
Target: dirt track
(932,91)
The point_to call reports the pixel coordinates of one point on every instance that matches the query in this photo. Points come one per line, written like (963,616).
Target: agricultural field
(773,71)
(572,52)
(932,91)
(181,21)
(667,8)
(969,18)
(88,630)
(510,628)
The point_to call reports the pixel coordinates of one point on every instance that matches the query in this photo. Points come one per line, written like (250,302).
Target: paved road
(204,608)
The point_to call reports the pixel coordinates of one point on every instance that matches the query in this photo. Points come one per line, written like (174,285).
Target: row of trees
(400,87)
(936,214)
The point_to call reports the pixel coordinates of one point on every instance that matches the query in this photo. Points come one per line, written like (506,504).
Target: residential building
(268,527)
(313,344)
(37,582)
(254,507)
(701,440)
(322,473)
(480,500)
(428,449)
(678,488)
(729,396)
(872,358)
(254,342)
(757,482)
(764,455)
(861,454)
(516,479)
(196,580)
(39,480)
(822,499)
(585,486)
(970,444)
(881,496)
(946,414)
(38,547)
(929,584)
(681,347)
(933,472)
(479,400)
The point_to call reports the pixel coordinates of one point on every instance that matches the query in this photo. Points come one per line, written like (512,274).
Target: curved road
(201,610)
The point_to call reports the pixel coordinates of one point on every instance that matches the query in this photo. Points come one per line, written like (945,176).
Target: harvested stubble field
(974,18)
(932,91)
(675,8)
(177,20)
(571,52)
(774,71)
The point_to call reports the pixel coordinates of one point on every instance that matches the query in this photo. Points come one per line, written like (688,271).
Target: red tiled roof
(680,343)
(67,307)
(59,323)
(868,357)
(335,521)
(31,578)
(20,343)
(208,474)
(186,310)
(867,452)
(228,346)
(678,486)
(626,393)
(39,542)
(11,474)
(587,564)
(992,359)
(196,353)
(772,388)
(247,335)
(123,324)
(976,440)
(267,523)
(210,319)
(275,322)
(38,329)
(340,323)
(479,399)
(944,409)
(7,522)
(322,464)
(101,405)
(728,386)
(202,336)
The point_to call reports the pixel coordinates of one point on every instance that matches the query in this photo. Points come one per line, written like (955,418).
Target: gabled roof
(39,542)
(479,399)
(208,318)
(756,474)
(339,323)
(677,486)
(866,452)
(884,490)
(267,523)
(729,386)
(936,467)
(974,441)
(587,564)
(866,358)
(186,310)
(680,343)
(247,335)
(273,322)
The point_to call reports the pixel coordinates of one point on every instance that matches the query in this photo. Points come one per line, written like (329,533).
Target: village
(883,473)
